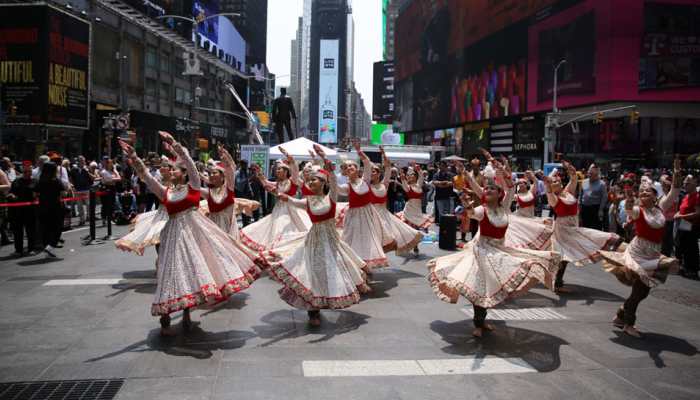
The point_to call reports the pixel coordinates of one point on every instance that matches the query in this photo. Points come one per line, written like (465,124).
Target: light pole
(552,119)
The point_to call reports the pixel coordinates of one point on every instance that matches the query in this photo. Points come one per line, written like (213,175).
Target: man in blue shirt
(594,198)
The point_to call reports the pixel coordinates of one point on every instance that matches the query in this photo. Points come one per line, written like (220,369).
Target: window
(151,87)
(151,58)
(179,95)
(164,91)
(165,63)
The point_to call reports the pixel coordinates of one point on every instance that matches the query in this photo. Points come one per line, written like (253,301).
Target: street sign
(257,154)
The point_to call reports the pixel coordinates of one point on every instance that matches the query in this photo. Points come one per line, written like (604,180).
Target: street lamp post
(552,119)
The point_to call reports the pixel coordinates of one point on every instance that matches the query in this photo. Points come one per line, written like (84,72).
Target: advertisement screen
(44,67)
(384,134)
(576,42)
(670,53)
(218,35)
(328,91)
(383,92)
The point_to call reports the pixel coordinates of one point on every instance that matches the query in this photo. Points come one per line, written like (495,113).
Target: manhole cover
(92,389)
(677,296)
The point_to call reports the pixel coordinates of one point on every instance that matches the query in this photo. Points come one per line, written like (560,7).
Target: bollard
(92,204)
(448,232)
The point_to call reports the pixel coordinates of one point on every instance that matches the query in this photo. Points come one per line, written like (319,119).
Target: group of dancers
(323,252)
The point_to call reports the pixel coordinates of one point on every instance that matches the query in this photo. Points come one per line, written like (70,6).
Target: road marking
(520,314)
(458,366)
(100,281)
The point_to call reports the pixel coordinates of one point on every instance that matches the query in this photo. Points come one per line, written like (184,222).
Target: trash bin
(448,232)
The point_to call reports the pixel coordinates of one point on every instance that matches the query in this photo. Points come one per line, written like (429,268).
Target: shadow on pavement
(386,279)
(539,350)
(235,302)
(138,288)
(289,324)
(579,293)
(40,261)
(197,343)
(655,344)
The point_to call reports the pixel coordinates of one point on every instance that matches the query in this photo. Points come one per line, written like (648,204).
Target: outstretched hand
(166,137)
(127,148)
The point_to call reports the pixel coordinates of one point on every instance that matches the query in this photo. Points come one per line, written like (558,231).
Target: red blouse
(646,231)
(320,218)
(227,201)
(525,204)
(411,194)
(378,199)
(189,201)
(488,229)
(357,200)
(305,191)
(292,189)
(565,210)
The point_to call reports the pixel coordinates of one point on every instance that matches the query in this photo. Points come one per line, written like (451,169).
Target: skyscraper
(252,24)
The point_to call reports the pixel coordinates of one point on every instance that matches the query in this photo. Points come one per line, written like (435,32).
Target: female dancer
(576,245)
(396,235)
(318,270)
(220,195)
(147,226)
(487,271)
(199,263)
(526,196)
(265,233)
(361,226)
(642,265)
(412,214)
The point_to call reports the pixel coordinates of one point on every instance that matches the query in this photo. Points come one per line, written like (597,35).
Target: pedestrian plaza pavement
(85,316)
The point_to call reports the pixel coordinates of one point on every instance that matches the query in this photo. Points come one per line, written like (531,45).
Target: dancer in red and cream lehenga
(222,203)
(412,214)
(576,245)
(487,271)
(146,227)
(318,270)
(284,218)
(362,229)
(198,262)
(396,235)
(641,265)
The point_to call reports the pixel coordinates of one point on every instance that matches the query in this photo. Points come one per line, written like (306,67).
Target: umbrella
(454,158)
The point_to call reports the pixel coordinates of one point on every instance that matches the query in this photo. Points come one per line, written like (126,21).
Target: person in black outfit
(50,209)
(23,218)
(282,113)
(242,187)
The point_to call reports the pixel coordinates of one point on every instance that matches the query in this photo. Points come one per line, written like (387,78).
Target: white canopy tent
(299,149)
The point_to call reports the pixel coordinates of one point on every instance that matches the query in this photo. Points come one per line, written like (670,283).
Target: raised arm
(552,198)
(153,184)
(293,167)
(387,167)
(668,200)
(266,184)
(366,162)
(506,185)
(184,155)
(573,179)
(404,182)
(229,168)
(533,182)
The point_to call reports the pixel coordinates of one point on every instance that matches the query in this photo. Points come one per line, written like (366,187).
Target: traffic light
(598,118)
(634,117)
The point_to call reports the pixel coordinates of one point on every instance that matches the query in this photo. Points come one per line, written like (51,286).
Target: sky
(282,19)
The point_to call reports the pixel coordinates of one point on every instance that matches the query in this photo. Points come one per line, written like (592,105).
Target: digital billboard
(44,67)
(328,91)
(383,92)
(218,35)
(670,48)
(384,134)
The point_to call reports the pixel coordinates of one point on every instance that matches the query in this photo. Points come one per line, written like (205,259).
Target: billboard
(218,35)
(383,92)
(328,91)
(384,134)
(44,67)
(670,51)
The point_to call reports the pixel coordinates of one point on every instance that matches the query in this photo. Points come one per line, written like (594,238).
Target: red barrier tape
(36,202)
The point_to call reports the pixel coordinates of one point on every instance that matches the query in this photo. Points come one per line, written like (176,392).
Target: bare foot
(478,332)
(169,331)
(618,323)
(632,331)
(563,290)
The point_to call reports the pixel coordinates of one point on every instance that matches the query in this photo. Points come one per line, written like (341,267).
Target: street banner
(257,154)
